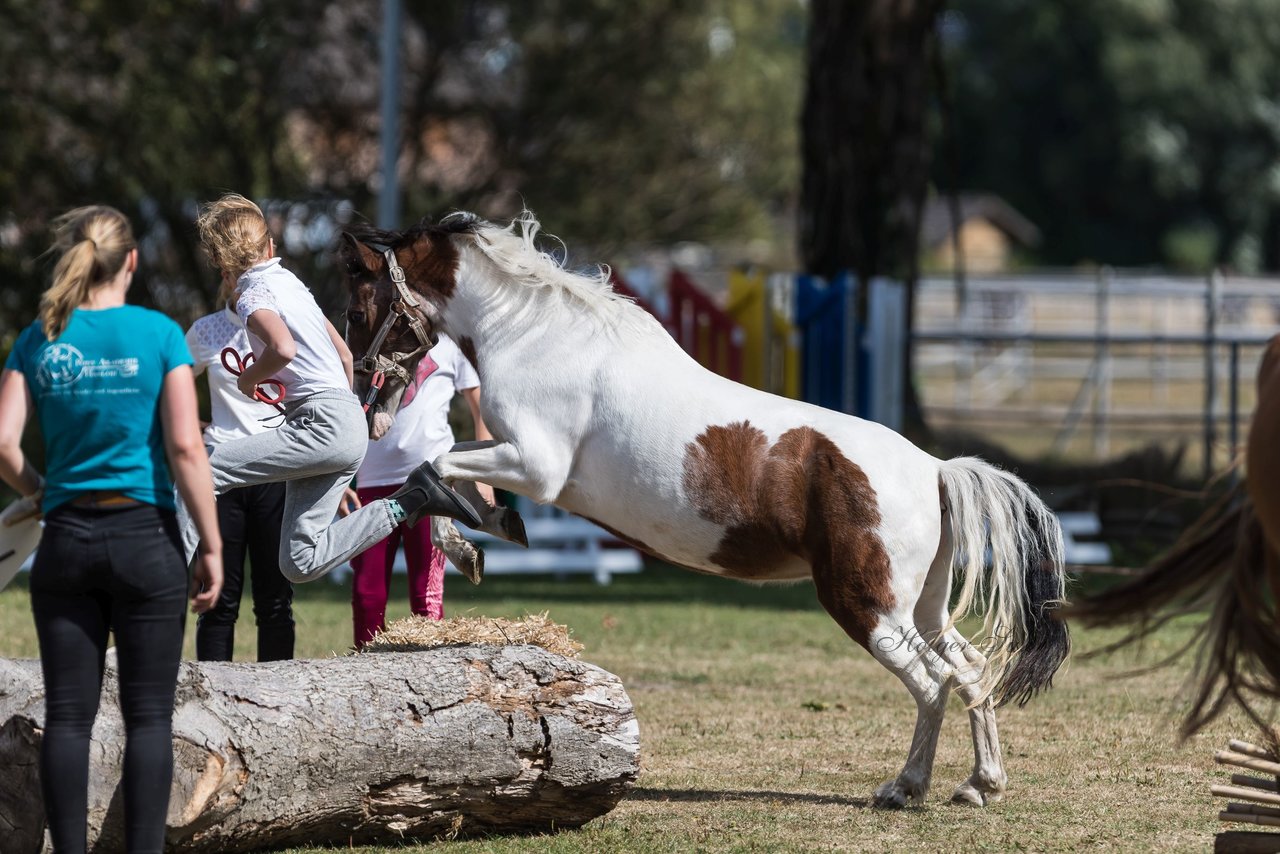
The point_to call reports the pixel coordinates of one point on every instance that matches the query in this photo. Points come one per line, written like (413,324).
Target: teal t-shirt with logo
(97,395)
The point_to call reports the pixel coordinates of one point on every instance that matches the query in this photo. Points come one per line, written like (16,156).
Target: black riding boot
(424,494)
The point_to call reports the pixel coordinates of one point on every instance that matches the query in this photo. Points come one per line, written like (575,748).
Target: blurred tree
(661,121)
(617,122)
(1130,131)
(866,145)
(148,106)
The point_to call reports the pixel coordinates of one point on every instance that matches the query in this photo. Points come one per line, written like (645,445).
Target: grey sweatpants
(316,452)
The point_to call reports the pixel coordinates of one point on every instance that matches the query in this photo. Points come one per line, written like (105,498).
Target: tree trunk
(865,143)
(374,748)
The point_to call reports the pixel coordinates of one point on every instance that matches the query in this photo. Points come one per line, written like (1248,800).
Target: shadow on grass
(640,793)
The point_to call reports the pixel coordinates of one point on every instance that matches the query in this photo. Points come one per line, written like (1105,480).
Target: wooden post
(1102,398)
(1213,297)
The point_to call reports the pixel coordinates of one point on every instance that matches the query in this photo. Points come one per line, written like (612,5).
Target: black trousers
(98,571)
(250,519)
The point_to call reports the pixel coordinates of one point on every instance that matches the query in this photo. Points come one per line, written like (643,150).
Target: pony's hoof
(513,527)
(472,564)
(892,795)
(969,795)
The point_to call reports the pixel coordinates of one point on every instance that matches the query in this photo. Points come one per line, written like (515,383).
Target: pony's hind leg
(898,645)
(987,782)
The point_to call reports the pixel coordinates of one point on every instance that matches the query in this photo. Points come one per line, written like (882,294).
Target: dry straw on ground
(417,633)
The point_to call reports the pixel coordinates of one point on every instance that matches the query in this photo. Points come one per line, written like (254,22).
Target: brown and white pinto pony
(597,410)
(1229,563)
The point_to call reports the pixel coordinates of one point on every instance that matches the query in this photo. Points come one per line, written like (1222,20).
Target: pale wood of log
(1246,842)
(371,749)
(1240,760)
(1253,750)
(1265,783)
(1245,794)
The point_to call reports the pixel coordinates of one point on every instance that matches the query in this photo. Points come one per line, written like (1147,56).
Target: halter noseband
(378,366)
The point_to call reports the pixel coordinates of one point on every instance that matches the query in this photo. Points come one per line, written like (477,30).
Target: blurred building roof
(935,220)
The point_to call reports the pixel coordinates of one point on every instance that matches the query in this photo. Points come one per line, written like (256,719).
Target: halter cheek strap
(374,363)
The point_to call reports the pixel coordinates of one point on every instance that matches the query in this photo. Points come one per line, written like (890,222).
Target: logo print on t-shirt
(60,364)
(426,368)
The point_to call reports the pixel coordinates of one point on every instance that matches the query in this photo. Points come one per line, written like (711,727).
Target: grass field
(763,728)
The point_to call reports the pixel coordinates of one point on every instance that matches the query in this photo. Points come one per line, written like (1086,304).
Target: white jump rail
(1083,524)
(558,545)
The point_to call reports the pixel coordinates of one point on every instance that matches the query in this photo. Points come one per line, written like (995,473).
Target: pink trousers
(372,582)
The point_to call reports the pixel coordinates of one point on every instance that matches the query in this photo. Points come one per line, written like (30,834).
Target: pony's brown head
(399,283)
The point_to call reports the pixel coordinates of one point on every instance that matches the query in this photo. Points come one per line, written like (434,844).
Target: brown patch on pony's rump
(721,468)
(802,498)
(468,348)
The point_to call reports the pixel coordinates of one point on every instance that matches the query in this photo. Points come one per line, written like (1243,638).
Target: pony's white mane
(514,252)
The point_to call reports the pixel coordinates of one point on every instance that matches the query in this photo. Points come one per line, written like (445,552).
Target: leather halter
(374,362)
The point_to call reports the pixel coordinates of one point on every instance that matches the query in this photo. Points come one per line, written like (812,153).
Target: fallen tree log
(371,748)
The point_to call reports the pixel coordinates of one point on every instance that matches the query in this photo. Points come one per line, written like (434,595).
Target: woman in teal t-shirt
(112,387)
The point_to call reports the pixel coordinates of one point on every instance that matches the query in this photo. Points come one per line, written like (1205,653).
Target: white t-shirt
(421,430)
(316,367)
(234,415)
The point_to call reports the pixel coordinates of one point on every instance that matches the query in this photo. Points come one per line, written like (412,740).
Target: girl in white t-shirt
(420,431)
(251,518)
(320,445)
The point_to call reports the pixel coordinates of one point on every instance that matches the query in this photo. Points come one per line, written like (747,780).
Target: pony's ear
(357,257)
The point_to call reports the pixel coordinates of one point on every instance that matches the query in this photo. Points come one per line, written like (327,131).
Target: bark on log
(374,748)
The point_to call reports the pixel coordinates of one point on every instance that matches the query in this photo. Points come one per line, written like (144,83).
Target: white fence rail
(1099,357)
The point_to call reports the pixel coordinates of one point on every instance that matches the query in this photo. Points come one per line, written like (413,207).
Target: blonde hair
(93,243)
(234,233)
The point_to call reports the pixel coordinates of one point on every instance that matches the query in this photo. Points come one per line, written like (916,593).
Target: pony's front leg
(540,476)
(500,465)
(461,552)
(502,522)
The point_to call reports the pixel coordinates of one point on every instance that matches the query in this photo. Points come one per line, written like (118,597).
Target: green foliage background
(1133,132)
(618,123)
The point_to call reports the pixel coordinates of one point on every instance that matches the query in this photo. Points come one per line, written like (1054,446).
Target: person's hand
(247,384)
(350,502)
(486,492)
(206,581)
(27,507)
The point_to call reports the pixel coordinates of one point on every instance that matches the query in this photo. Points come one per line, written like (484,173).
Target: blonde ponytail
(93,243)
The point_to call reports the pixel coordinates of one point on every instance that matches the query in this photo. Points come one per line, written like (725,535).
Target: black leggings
(100,570)
(250,519)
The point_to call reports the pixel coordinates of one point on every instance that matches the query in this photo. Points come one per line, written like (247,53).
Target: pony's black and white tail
(1007,547)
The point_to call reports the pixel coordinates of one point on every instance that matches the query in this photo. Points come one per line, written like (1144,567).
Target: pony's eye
(356,317)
